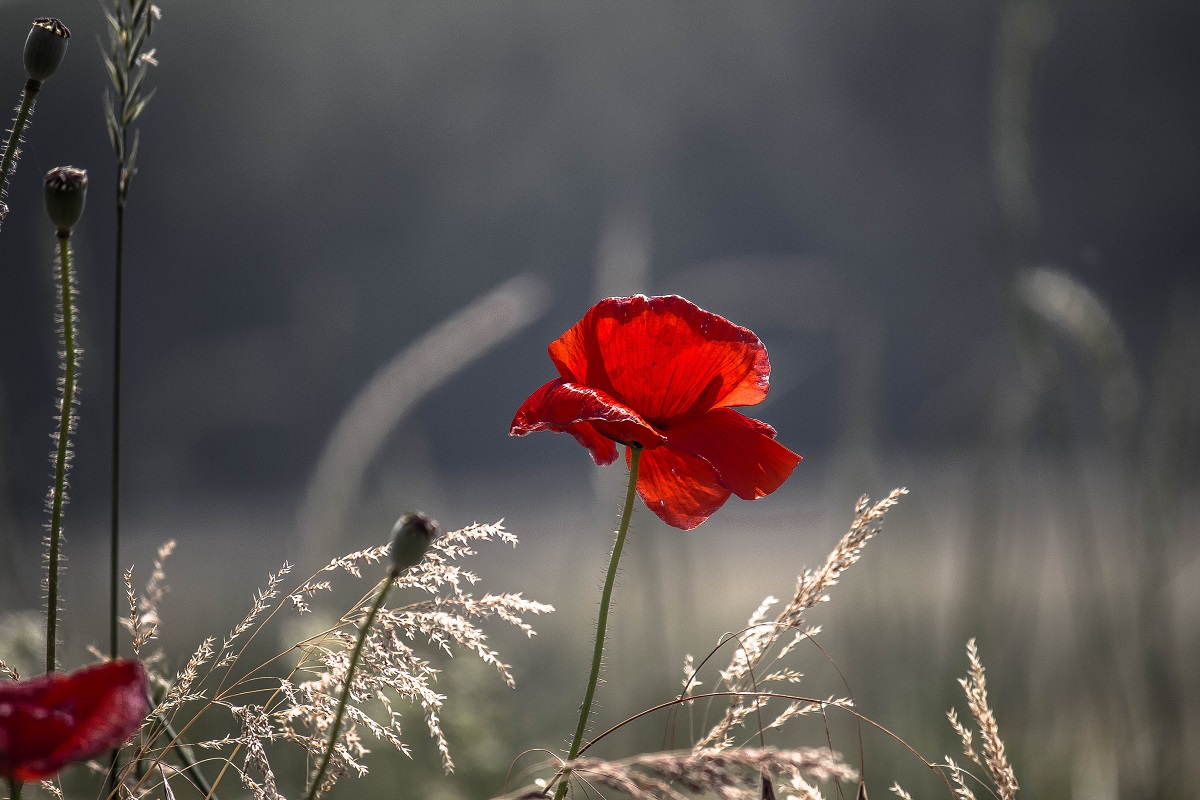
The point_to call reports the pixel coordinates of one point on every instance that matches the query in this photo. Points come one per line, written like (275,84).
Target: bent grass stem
(66,281)
(678,701)
(602,622)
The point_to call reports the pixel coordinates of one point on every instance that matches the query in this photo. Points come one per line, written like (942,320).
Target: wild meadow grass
(392,670)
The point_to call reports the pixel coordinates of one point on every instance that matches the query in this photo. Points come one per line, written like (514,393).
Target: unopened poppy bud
(45,48)
(411,537)
(66,192)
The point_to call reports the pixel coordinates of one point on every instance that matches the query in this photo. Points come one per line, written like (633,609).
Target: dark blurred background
(966,233)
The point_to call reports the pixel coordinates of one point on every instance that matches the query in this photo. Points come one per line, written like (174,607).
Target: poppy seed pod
(45,48)
(411,537)
(66,192)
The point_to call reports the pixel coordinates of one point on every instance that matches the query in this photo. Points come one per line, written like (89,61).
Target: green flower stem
(14,138)
(66,280)
(114,544)
(384,588)
(14,789)
(114,539)
(602,623)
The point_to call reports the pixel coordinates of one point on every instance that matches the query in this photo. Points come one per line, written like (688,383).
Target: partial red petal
(682,489)
(28,734)
(55,720)
(110,703)
(592,417)
(743,451)
(663,357)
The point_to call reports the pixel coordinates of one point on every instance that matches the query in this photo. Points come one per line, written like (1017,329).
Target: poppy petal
(55,720)
(592,417)
(110,703)
(663,357)
(27,735)
(743,451)
(683,490)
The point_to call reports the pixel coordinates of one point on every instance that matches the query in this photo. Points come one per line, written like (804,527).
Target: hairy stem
(585,710)
(384,588)
(66,281)
(14,137)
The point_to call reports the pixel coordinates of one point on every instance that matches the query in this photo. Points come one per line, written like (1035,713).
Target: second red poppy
(54,720)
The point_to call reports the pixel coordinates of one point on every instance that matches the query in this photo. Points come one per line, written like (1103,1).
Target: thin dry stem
(756,655)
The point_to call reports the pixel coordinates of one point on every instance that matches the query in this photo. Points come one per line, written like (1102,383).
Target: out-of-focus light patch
(1094,775)
(1066,304)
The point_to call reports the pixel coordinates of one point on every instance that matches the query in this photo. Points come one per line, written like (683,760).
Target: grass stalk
(130,25)
(114,560)
(610,580)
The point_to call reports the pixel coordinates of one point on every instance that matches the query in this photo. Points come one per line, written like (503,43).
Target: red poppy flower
(661,373)
(49,722)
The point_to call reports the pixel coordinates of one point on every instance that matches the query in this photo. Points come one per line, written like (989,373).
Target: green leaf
(112,71)
(136,87)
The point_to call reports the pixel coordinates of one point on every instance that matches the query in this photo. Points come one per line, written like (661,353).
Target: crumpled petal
(681,489)
(742,451)
(49,722)
(592,417)
(664,357)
